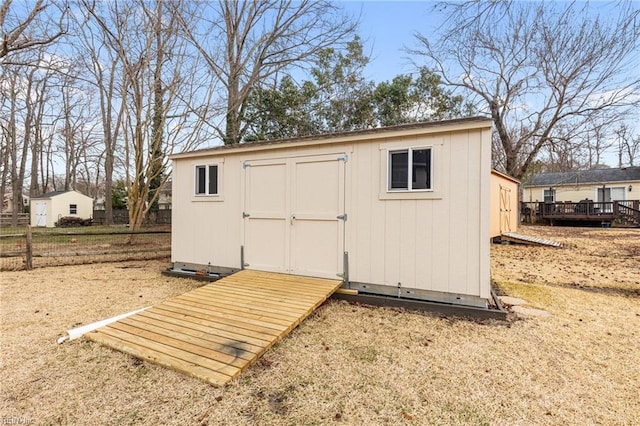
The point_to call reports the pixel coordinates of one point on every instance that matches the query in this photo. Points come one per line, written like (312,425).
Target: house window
(549,195)
(207,180)
(73,209)
(410,170)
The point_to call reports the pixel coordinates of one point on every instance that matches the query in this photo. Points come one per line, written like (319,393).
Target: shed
(400,211)
(47,209)
(504,203)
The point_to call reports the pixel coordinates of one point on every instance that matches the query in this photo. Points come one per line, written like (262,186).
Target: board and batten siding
(436,241)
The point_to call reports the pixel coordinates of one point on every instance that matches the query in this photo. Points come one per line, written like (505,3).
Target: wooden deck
(217,331)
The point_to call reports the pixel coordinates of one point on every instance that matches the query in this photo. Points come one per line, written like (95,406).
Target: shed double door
(294,215)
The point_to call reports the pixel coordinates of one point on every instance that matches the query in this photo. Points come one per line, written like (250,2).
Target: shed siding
(498,182)
(438,241)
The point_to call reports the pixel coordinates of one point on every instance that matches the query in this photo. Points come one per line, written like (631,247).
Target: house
(504,204)
(47,209)
(599,185)
(399,211)
(7,203)
(602,196)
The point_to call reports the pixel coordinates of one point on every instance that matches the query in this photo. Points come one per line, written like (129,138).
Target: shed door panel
(505,209)
(266,227)
(291,215)
(317,201)
(41,213)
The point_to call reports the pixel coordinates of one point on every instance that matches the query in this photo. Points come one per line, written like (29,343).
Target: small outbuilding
(400,211)
(504,203)
(47,209)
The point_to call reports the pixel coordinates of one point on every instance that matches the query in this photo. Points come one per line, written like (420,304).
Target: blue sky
(386,28)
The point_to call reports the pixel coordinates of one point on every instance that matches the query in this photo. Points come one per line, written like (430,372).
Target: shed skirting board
(418,294)
(212,273)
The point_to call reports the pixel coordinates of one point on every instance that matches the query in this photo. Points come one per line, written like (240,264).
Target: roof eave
(346,137)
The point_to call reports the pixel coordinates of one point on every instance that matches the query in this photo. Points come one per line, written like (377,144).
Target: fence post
(28,261)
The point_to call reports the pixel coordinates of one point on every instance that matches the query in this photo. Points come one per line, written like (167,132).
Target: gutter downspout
(81,331)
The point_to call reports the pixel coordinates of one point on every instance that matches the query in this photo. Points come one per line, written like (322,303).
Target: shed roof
(56,193)
(505,176)
(351,136)
(624,174)
(49,194)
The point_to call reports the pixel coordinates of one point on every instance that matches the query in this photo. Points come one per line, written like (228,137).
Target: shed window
(207,180)
(410,169)
(73,209)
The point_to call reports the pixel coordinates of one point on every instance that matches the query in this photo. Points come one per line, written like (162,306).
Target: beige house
(401,211)
(504,204)
(601,185)
(47,209)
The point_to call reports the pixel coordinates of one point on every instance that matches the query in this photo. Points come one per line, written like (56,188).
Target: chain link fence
(26,247)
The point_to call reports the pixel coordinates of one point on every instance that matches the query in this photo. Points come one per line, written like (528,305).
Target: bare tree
(628,146)
(539,69)
(42,24)
(160,90)
(246,42)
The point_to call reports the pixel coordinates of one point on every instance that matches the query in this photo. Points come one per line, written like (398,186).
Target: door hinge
(342,217)
(245,164)
(344,158)
(245,215)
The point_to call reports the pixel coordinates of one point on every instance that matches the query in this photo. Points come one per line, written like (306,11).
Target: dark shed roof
(49,194)
(585,176)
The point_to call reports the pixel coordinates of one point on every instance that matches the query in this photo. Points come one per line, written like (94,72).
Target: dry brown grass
(349,364)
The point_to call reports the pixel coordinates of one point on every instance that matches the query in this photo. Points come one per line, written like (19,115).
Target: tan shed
(504,203)
(401,211)
(47,209)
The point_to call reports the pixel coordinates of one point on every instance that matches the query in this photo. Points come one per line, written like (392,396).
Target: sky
(386,28)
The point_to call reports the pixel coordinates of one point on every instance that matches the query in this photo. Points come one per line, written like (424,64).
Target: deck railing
(586,210)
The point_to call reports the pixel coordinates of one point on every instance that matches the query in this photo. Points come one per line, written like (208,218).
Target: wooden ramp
(526,239)
(217,331)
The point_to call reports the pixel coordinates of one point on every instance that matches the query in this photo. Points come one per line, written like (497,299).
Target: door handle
(293,217)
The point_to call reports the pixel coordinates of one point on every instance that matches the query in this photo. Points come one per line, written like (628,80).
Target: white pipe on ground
(81,331)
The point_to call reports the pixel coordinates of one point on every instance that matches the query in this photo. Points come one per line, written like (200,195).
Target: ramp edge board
(197,334)
(527,239)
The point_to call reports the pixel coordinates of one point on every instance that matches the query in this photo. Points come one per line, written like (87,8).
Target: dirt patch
(347,364)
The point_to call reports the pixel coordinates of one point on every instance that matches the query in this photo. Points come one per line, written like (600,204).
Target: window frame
(410,169)
(73,209)
(552,194)
(207,180)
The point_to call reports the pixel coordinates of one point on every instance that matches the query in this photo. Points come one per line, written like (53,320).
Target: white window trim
(208,197)
(409,169)
(435,144)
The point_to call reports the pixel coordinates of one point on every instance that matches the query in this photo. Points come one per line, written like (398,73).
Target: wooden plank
(209,327)
(255,301)
(224,360)
(206,336)
(230,305)
(193,370)
(216,331)
(221,324)
(221,351)
(151,349)
(299,293)
(251,324)
(235,313)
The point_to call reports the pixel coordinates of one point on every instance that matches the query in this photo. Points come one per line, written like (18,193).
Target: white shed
(400,211)
(47,209)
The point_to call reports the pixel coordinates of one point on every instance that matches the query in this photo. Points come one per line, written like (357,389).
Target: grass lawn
(348,364)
